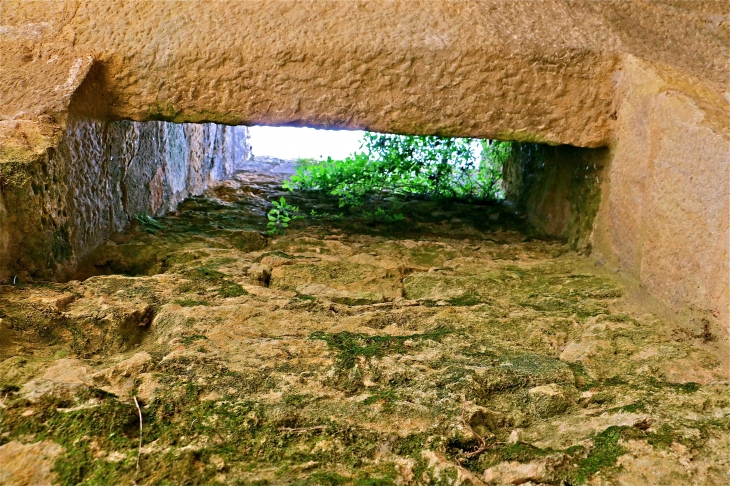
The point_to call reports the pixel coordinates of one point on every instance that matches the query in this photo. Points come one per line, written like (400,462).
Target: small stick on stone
(139,412)
(303,429)
(482,442)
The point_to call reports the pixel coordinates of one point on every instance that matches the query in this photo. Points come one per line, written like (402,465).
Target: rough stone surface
(390,67)
(666,210)
(120,379)
(657,203)
(27,464)
(520,473)
(243,384)
(96,179)
(548,400)
(542,70)
(646,79)
(66,376)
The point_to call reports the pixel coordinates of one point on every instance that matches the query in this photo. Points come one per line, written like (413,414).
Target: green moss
(206,273)
(148,224)
(663,437)
(630,408)
(351,345)
(190,302)
(385,397)
(468,299)
(231,289)
(297,400)
(220,261)
(604,454)
(522,452)
(326,478)
(581,378)
(689,387)
(206,276)
(190,339)
(111,424)
(373,482)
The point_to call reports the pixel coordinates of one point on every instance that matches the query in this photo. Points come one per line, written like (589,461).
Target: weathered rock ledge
(648,80)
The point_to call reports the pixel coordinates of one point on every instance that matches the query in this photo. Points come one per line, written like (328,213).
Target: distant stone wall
(558,188)
(97,178)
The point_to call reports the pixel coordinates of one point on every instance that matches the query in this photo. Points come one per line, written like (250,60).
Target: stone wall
(96,179)
(646,80)
(557,188)
(656,203)
(665,215)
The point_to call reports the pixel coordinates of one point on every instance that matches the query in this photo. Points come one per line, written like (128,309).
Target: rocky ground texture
(453,347)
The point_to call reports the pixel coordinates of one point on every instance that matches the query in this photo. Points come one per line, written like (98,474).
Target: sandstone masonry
(644,82)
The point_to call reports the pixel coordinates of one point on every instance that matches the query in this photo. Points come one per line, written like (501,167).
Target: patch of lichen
(205,277)
(13,173)
(251,434)
(350,345)
(103,423)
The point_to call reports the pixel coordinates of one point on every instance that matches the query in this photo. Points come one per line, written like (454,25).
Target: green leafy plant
(148,224)
(383,215)
(400,165)
(281,215)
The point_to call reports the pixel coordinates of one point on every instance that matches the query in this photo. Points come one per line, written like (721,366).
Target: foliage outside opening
(391,168)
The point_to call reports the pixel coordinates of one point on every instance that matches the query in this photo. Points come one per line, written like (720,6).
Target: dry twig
(303,429)
(482,442)
(139,450)
(483,446)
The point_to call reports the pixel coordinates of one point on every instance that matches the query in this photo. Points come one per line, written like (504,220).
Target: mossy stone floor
(452,347)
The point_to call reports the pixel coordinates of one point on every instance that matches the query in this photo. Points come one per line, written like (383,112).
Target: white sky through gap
(296,142)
